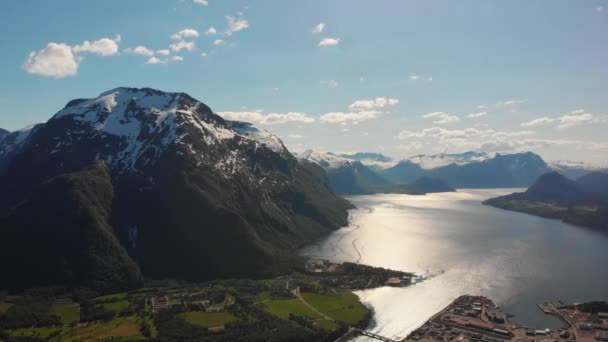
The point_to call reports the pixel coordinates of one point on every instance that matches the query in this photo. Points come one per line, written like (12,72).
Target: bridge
(374,336)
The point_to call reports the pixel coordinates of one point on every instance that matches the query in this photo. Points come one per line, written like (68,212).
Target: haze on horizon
(397,77)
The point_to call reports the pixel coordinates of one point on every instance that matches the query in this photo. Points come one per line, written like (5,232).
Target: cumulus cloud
(177,58)
(330,83)
(319,28)
(575,118)
(57,60)
(182,45)
(164,52)
(155,60)
(211,31)
(185,33)
(218,42)
(353,117)
(140,50)
(235,25)
(442,117)
(513,102)
(201,2)
(101,47)
(267,119)
(477,115)
(379,102)
(329,41)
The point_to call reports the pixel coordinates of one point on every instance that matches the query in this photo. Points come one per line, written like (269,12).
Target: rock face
(195,196)
(471,170)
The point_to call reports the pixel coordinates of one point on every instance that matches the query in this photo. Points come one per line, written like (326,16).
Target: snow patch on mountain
(325,160)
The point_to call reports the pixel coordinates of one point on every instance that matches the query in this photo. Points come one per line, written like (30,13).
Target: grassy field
(69,313)
(116,306)
(42,332)
(112,298)
(283,307)
(125,328)
(207,319)
(4,307)
(342,307)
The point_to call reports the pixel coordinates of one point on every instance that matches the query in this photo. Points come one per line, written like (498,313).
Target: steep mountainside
(472,170)
(195,196)
(575,170)
(555,196)
(3,132)
(62,235)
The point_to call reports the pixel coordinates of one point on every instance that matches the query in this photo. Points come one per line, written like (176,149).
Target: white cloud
(182,45)
(477,115)
(164,52)
(329,41)
(362,79)
(442,117)
(177,58)
(204,54)
(101,47)
(342,117)
(319,28)
(154,60)
(218,42)
(185,33)
(201,2)
(267,119)
(211,31)
(140,50)
(600,9)
(513,102)
(414,77)
(56,60)
(235,25)
(418,78)
(379,102)
(295,136)
(575,118)
(330,83)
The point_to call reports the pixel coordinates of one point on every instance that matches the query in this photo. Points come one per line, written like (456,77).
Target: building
(159,303)
(602,315)
(601,336)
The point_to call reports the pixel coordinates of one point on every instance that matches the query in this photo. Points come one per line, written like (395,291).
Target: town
(476,318)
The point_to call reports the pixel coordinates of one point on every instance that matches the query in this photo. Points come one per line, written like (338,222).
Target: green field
(116,306)
(69,313)
(208,319)
(283,307)
(112,298)
(344,306)
(124,328)
(42,332)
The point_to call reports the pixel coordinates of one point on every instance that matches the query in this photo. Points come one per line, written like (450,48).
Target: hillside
(194,196)
(555,196)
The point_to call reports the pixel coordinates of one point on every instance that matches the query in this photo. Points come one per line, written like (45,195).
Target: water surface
(467,248)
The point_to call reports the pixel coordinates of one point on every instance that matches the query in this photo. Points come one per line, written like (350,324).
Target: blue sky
(398,77)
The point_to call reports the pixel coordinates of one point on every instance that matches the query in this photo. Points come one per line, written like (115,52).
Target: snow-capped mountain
(575,170)
(471,169)
(188,185)
(348,177)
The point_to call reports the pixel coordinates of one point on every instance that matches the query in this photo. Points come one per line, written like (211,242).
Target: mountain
(194,196)
(62,235)
(3,132)
(594,183)
(345,176)
(471,169)
(430,185)
(575,170)
(553,195)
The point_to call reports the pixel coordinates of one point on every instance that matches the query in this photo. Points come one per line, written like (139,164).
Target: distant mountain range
(583,202)
(141,179)
(352,177)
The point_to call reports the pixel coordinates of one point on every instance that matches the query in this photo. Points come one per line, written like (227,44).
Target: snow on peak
(249,131)
(429,162)
(326,160)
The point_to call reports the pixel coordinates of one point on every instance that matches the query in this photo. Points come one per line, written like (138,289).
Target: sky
(397,77)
